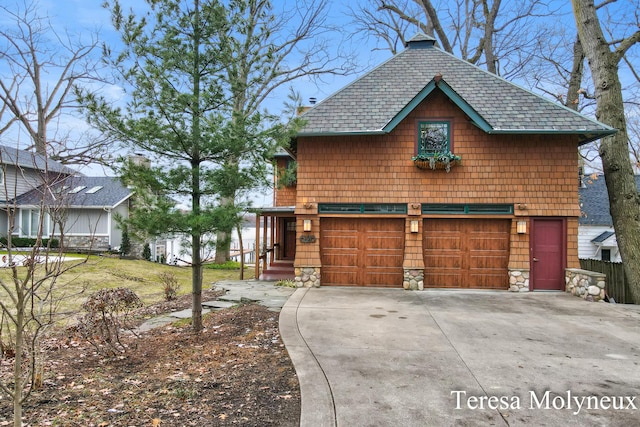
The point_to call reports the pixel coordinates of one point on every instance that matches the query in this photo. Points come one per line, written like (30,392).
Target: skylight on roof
(94,189)
(77,189)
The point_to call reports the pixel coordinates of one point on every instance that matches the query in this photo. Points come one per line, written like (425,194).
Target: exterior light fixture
(414,226)
(306,225)
(521,227)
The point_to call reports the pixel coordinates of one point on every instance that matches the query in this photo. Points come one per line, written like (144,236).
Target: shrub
(146,252)
(287,283)
(229,265)
(27,242)
(125,246)
(170,285)
(109,312)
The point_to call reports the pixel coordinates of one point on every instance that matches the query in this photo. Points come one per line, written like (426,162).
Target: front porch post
(257,247)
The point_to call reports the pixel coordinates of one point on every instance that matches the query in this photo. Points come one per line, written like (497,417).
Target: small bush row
(229,265)
(27,242)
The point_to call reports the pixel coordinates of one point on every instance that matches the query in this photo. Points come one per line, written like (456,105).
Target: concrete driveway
(379,357)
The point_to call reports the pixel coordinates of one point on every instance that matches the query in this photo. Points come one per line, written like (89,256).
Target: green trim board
(451,94)
(467,209)
(363,208)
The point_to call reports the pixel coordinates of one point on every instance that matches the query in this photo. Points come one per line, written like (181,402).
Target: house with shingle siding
(35,186)
(496,207)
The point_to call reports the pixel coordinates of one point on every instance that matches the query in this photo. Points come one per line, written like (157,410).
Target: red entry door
(548,254)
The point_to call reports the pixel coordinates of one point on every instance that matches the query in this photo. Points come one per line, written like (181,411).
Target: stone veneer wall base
(588,285)
(519,280)
(413,279)
(307,277)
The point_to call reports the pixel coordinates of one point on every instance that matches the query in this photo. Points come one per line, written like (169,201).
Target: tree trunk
(624,199)
(196,285)
(223,247)
(490,15)
(575,80)
(196,191)
(18,387)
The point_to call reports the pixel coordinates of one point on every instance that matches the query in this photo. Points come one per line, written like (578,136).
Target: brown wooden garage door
(362,251)
(466,253)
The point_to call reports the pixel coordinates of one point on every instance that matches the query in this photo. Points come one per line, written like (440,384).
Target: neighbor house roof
(81,192)
(594,201)
(379,100)
(602,238)
(27,159)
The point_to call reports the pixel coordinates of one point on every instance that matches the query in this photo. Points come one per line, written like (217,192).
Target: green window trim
(434,136)
(363,208)
(467,209)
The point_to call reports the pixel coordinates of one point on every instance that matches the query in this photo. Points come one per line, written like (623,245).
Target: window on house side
(29,222)
(434,137)
(606,255)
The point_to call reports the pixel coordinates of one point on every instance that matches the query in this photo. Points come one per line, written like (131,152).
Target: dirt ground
(236,372)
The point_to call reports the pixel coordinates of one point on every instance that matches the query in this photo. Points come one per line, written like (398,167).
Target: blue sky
(87,16)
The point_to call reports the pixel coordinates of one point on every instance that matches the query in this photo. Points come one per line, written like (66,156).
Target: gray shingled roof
(376,102)
(30,160)
(603,237)
(594,201)
(110,194)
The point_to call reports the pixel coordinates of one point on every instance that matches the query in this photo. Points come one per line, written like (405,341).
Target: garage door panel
(339,276)
(342,259)
(373,246)
(467,253)
(445,278)
(443,242)
(340,241)
(383,242)
(380,278)
(441,260)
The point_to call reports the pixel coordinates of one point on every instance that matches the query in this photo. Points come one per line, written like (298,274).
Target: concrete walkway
(379,357)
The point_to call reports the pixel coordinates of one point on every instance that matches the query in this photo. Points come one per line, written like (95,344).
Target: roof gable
(376,102)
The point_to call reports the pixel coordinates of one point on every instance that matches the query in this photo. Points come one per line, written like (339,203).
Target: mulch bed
(236,372)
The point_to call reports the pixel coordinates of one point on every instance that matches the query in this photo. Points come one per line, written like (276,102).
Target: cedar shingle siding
(517,149)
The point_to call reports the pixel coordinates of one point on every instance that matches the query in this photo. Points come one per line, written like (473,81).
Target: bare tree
(41,71)
(604,59)
(270,54)
(28,306)
(494,34)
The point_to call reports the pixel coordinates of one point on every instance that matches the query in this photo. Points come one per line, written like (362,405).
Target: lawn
(143,277)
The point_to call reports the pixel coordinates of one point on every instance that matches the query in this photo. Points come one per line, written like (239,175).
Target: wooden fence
(617,287)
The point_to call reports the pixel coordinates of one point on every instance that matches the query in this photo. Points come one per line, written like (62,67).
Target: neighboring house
(87,206)
(362,213)
(596,236)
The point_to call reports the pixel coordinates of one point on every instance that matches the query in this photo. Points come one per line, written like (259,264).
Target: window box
(436,161)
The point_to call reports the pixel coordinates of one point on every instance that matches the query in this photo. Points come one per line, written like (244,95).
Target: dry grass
(89,274)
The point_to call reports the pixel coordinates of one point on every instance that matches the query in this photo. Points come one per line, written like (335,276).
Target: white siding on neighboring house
(587,249)
(122,210)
